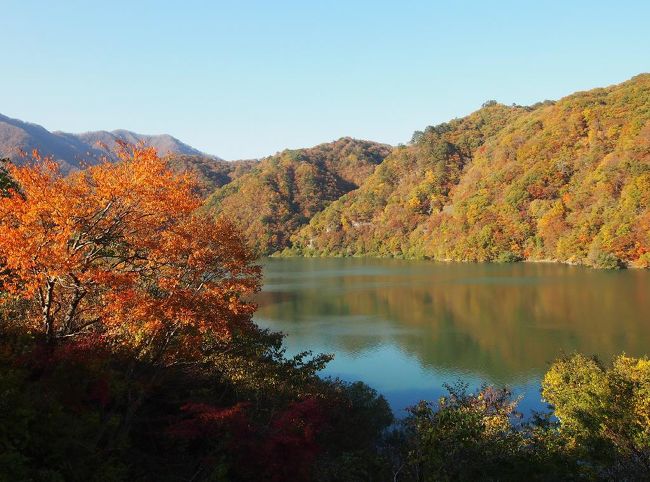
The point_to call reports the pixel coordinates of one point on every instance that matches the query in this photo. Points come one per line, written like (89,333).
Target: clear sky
(244,79)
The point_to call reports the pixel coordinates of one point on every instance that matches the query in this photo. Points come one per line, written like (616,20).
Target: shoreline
(626,266)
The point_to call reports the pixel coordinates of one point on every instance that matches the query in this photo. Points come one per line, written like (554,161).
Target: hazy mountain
(74,150)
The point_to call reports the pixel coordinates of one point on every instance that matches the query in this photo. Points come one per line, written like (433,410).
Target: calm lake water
(407,327)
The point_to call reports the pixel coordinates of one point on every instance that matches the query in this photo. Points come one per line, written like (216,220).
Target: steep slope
(284,191)
(566,181)
(410,184)
(72,151)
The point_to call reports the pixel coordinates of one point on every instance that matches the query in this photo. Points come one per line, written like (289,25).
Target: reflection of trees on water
(500,321)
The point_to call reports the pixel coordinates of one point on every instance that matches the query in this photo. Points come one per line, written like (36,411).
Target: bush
(603,260)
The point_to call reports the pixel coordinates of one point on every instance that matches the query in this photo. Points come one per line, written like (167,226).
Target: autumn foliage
(127,345)
(563,181)
(283,192)
(118,251)
(128,349)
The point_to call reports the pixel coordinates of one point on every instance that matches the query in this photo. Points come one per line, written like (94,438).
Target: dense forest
(565,181)
(283,192)
(128,352)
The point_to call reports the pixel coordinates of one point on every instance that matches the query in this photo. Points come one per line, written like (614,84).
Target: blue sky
(244,79)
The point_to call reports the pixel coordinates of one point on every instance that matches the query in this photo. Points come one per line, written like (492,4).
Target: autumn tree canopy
(127,346)
(118,250)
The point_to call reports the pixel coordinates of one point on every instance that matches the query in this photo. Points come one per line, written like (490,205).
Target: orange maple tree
(119,252)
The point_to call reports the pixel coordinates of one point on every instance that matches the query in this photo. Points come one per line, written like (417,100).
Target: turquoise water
(408,327)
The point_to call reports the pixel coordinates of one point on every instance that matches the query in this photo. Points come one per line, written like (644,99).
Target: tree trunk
(46,309)
(72,308)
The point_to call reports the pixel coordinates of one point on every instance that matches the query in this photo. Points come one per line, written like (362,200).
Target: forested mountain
(72,151)
(284,191)
(561,181)
(565,181)
(211,173)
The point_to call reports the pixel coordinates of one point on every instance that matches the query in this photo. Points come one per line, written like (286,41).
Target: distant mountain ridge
(73,151)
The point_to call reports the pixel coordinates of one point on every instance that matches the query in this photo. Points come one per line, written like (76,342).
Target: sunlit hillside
(566,181)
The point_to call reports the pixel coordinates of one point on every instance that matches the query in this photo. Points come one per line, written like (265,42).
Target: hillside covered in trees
(565,181)
(210,173)
(283,192)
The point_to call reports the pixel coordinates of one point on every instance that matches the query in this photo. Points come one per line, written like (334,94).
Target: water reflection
(406,327)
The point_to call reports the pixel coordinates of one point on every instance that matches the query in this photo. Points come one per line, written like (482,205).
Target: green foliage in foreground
(68,414)
(252,414)
(604,412)
(480,436)
(599,429)
(5,180)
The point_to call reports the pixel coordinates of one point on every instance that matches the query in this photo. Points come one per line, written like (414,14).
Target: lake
(408,327)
